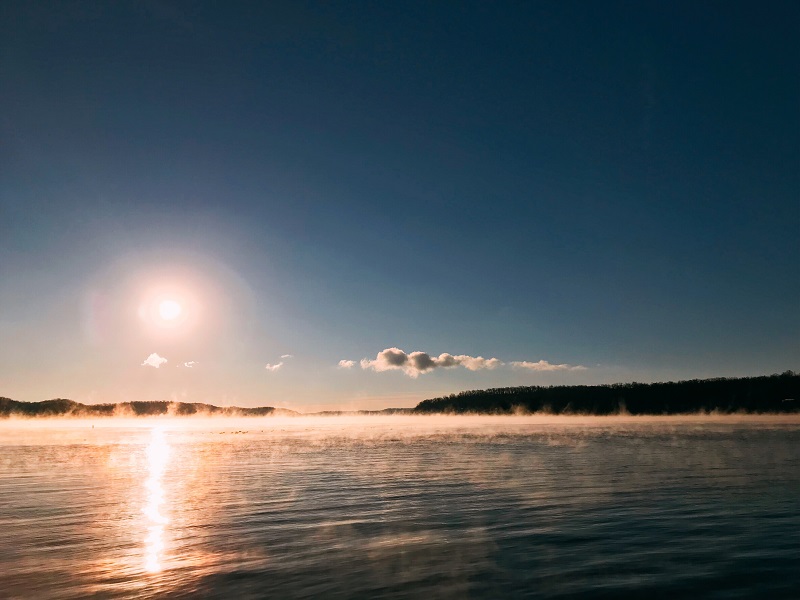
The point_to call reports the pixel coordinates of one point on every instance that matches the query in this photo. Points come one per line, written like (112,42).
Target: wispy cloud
(543,365)
(287,355)
(154,360)
(347,364)
(417,363)
(274,367)
(190,364)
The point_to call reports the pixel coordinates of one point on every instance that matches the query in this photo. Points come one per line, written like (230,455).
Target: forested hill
(61,407)
(768,394)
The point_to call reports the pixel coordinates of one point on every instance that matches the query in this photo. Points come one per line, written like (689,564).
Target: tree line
(61,407)
(779,393)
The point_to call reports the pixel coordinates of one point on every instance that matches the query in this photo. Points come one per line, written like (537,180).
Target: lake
(401,507)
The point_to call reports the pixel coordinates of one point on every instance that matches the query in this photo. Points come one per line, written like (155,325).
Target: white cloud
(475,363)
(287,355)
(416,363)
(274,367)
(543,365)
(154,360)
(190,364)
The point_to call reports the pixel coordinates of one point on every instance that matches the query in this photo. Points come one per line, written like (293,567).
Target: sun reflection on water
(157,459)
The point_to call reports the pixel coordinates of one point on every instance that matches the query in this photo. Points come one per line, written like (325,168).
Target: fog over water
(401,507)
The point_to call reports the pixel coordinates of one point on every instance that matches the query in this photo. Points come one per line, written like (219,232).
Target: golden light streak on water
(157,459)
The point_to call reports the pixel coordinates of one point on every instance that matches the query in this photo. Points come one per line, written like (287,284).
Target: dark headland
(766,394)
(778,393)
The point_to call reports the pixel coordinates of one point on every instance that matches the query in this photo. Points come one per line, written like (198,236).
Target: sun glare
(169,310)
(174,305)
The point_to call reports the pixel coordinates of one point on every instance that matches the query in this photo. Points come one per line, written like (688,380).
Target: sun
(169,310)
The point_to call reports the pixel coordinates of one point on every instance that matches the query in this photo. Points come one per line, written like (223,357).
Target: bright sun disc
(169,310)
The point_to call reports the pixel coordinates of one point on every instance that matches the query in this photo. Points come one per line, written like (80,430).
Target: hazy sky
(529,193)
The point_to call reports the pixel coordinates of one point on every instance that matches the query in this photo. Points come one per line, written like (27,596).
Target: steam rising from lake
(358,425)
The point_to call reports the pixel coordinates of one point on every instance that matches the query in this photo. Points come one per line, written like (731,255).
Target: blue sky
(613,186)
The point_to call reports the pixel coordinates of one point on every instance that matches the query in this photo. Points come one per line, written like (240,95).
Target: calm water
(401,507)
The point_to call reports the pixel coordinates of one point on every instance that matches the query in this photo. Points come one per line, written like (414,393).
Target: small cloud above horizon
(347,364)
(287,355)
(154,360)
(274,367)
(190,364)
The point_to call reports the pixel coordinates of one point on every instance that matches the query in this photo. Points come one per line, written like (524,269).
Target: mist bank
(61,407)
(779,394)
(766,394)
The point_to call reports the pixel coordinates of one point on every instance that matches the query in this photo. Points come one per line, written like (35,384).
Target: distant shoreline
(772,394)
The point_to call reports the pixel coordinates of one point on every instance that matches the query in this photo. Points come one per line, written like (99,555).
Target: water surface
(401,507)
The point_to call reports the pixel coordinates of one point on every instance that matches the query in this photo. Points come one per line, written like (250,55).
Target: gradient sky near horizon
(586,192)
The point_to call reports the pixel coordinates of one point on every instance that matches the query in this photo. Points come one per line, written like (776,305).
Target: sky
(366,204)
